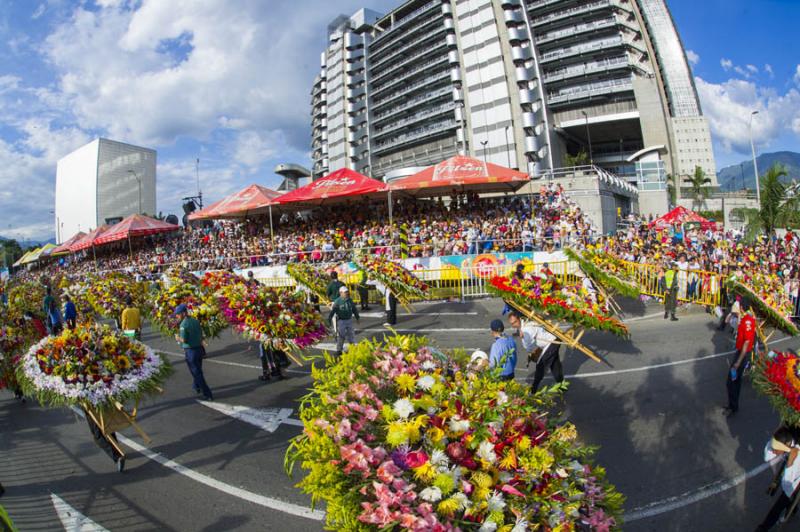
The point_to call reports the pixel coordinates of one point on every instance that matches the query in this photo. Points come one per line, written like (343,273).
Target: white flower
(463,500)
(488,526)
(458,425)
(426,382)
(496,502)
(431,494)
(502,398)
(486,452)
(403,408)
(520,526)
(439,458)
(428,365)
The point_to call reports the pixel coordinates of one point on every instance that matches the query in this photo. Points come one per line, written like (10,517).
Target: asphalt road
(654,411)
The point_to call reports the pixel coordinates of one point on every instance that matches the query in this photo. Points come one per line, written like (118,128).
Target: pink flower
(387,471)
(416,458)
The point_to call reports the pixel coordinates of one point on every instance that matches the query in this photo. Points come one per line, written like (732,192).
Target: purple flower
(400,458)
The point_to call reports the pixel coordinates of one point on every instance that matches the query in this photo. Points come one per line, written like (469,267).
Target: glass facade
(120,167)
(651,175)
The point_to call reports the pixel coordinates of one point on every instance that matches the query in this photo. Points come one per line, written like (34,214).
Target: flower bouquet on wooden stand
(107,295)
(96,369)
(12,344)
(24,297)
(777,375)
(200,301)
(403,284)
(312,279)
(768,304)
(397,436)
(608,274)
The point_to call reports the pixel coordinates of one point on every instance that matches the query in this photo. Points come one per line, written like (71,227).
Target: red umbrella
(254,199)
(133,226)
(680,215)
(335,188)
(460,174)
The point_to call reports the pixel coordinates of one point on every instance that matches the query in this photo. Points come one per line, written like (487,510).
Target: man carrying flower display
(541,346)
(745,342)
(782,444)
(343,310)
(191,340)
(503,353)
(131,319)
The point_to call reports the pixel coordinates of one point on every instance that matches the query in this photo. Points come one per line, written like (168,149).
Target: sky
(228,82)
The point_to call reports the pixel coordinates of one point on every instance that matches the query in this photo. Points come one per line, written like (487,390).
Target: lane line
(228,363)
(679,501)
(255,498)
(369,314)
(71,519)
(267,419)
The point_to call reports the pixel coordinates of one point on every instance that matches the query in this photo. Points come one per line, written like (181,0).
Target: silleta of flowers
(310,277)
(78,291)
(777,375)
(570,304)
(401,282)
(11,343)
(271,315)
(606,271)
(107,294)
(202,305)
(25,297)
(397,436)
(92,366)
(777,317)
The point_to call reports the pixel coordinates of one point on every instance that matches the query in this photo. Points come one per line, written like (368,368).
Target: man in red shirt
(745,343)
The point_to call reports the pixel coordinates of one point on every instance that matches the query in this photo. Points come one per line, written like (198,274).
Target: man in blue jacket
(504,351)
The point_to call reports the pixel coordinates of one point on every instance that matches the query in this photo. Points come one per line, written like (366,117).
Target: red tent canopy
(681,215)
(64,247)
(254,199)
(335,187)
(89,240)
(133,226)
(461,173)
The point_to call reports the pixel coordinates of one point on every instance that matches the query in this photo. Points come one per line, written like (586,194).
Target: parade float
(777,376)
(12,343)
(769,303)
(107,294)
(309,278)
(609,274)
(96,369)
(201,302)
(400,436)
(403,284)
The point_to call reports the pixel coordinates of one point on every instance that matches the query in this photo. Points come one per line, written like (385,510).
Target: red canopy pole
(271,232)
(130,248)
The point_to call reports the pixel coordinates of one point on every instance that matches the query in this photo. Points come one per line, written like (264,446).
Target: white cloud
(752,68)
(39,11)
(768,70)
(693,57)
(796,77)
(728,106)
(726,63)
(742,72)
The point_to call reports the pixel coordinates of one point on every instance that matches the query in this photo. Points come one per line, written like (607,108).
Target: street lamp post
(508,149)
(588,137)
(139,179)
(484,143)
(755,164)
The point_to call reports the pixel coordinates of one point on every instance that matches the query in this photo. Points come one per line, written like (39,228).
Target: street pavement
(654,410)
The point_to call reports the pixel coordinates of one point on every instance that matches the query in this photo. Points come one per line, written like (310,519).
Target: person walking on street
(344,309)
(745,342)
(131,318)
(191,340)
(333,287)
(54,320)
(503,353)
(46,303)
(363,290)
(70,313)
(101,441)
(671,294)
(391,308)
(541,347)
(782,444)
(270,355)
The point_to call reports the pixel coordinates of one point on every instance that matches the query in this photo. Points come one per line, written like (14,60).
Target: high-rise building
(530,84)
(103,182)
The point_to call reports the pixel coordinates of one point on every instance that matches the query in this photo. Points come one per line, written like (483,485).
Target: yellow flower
(509,461)
(425,472)
(444,482)
(435,434)
(481,479)
(448,506)
(524,443)
(397,434)
(388,413)
(405,383)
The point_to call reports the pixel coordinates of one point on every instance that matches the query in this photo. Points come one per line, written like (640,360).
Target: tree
(778,205)
(698,183)
(581,159)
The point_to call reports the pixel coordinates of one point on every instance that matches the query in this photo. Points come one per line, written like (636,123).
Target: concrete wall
(655,202)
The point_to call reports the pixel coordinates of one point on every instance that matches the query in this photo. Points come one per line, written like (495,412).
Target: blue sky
(228,82)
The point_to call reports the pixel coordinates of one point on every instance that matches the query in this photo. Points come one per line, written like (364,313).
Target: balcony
(514,16)
(521,53)
(416,44)
(576,71)
(528,120)
(399,78)
(510,3)
(571,12)
(451,40)
(525,73)
(353,94)
(415,135)
(355,107)
(403,21)
(531,145)
(410,34)
(526,96)
(417,100)
(517,35)
(432,78)
(419,117)
(590,47)
(577,30)
(407,60)
(589,91)
(455,75)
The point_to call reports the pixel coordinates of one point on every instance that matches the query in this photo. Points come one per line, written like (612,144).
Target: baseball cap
(180,309)
(478,355)
(497,326)
(343,289)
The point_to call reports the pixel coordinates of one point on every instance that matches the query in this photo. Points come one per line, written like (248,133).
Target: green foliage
(699,188)
(772,316)
(778,207)
(607,280)
(580,159)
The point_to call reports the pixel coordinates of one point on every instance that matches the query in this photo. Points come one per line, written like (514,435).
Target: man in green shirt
(191,340)
(48,301)
(344,309)
(363,289)
(333,287)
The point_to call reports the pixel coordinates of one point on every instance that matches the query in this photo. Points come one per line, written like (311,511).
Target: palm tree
(779,205)
(698,184)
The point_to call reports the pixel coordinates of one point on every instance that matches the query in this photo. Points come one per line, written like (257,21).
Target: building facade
(535,85)
(102,182)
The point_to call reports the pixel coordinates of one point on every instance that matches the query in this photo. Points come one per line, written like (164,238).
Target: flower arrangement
(90,365)
(107,294)
(11,344)
(397,436)
(561,303)
(214,281)
(777,375)
(271,315)
(605,270)
(78,292)
(202,305)
(25,297)
(310,277)
(763,305)
(400,282)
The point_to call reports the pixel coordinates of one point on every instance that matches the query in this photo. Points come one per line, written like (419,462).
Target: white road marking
(268,419)
(255,498)
(677,502)
(646,317)
(228,363)
(72,519)
(432,314)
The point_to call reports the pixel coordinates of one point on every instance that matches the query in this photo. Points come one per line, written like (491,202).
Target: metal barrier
(707,284)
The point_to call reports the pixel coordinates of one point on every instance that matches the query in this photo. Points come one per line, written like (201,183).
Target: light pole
(755,164)
(508,149)
(139,179)
(484,143)
(588,137)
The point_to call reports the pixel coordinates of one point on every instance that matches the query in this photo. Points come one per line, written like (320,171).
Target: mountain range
(736,176)
(30,243)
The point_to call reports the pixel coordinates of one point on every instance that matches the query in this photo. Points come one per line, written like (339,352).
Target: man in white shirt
(536,338)
(783,444)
